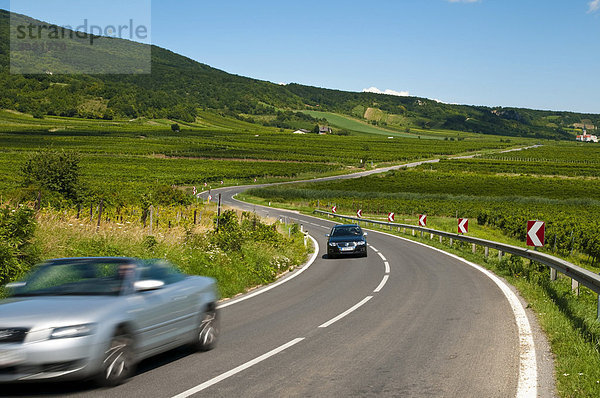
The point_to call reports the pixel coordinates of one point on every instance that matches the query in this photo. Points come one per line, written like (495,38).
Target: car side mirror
(148,285)
(365,234)
(327,235)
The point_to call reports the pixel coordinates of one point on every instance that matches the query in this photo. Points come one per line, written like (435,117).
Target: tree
(56,171)
(175,127)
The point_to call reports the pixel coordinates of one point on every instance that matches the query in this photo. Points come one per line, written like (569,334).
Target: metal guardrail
(576,273)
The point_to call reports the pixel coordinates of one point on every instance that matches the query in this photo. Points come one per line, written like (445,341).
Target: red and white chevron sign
(195,191)
(536,233)
(423,220)
(359,213)
(463,225)
(391,217)
(334,209)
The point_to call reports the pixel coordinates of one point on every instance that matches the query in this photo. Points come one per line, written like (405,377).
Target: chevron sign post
(334,209)
(536,233)
(463,225)
(359,213)
(391,217)
(423,220)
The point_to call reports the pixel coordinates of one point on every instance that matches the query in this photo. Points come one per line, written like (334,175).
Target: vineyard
(503,194)
(125,159)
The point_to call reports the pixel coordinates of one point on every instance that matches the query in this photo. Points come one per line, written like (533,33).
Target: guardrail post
(451,241)
(403,230)
(474,248)
(487,252)
(301,228)
(431,237)
(441,239)
(413,232)
(552,274)
(575,286)
(421,234)
(500,254)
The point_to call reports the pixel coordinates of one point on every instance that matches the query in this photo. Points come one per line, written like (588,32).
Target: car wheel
(331,255)
(117,362)
(207,334)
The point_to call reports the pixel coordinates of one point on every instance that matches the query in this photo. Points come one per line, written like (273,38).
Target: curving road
(406,321)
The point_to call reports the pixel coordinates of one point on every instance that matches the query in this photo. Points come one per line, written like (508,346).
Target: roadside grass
(194,249)
(568,319)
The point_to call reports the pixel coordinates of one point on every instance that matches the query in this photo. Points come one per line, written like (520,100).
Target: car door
(162,314)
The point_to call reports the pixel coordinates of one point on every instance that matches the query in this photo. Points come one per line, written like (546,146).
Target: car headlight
(73,331)
(332,244)
(361,243)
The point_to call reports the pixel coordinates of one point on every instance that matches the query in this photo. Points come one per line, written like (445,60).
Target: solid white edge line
(527,386)
(274,285)
(237,370)
(382,284)
(345,313)
(387,267)
(382,257)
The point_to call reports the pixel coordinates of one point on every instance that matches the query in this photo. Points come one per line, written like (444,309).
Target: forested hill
(178,86)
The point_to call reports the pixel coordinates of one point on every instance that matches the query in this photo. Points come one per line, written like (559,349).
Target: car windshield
(347,231)
(77,277)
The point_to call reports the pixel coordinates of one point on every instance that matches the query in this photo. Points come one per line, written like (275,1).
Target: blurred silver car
(79,318)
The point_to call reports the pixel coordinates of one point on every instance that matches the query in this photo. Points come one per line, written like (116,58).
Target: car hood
(346,238)
(55,311)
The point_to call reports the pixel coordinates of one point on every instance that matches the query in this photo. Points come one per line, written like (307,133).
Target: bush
(56,171)
(17,250)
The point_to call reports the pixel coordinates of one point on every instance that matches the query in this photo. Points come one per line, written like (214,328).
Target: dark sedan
(346,240)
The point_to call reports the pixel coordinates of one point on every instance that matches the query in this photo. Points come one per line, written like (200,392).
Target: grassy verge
(244,254)
(569,320)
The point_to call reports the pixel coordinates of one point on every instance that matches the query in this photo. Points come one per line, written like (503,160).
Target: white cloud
(387,92)
(594,6)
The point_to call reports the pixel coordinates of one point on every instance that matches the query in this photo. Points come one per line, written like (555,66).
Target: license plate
(8,358)
(347,249)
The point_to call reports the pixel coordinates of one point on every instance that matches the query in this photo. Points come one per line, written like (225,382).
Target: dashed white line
(346,313)
(374,249)
(237,370)
(387,267)
(382,257)
(382,284)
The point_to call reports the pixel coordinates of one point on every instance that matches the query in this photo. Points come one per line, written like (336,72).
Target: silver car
(79,318)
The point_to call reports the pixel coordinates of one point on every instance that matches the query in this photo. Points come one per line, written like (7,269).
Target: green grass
(194,248)
(348,123)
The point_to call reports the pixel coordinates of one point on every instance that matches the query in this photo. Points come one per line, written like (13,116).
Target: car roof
(107,259)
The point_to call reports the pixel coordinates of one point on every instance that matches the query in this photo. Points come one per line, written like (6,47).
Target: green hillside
(179,87)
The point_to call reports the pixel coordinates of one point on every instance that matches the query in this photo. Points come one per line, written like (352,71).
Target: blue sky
(529,53)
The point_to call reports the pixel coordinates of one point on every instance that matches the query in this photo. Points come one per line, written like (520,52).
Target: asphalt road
(406,321)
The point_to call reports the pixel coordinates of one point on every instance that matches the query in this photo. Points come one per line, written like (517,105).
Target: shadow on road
(74,388)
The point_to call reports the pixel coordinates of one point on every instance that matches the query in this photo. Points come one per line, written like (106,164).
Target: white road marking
(382,284)
(387,267)
(273,286)
(528,376)
(382,257)
(374,249)
(346,313)
(237,370)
